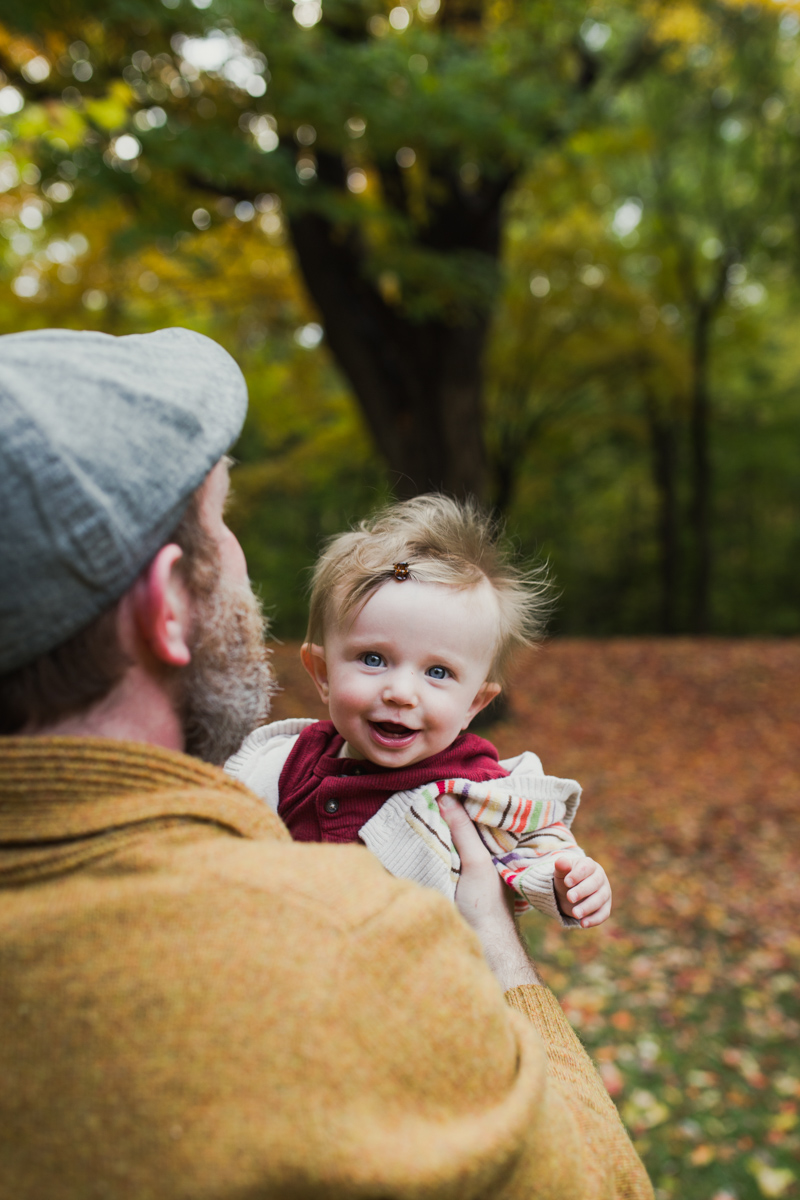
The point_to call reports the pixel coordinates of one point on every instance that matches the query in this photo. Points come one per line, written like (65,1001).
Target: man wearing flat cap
(192,1005)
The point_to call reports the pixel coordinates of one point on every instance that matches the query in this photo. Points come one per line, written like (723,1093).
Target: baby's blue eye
(372,660)
(438,672)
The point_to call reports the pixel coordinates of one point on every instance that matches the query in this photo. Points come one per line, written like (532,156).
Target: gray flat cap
(102,442)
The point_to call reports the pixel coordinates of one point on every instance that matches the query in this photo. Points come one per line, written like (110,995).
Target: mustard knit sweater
(186,1015)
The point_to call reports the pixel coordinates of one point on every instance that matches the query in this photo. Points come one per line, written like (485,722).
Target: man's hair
(84,669)
(442,541)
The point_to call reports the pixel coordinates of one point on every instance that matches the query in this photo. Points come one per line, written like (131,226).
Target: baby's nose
(400,688)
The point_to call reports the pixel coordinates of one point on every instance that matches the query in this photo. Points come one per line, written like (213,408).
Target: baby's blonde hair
(443,541)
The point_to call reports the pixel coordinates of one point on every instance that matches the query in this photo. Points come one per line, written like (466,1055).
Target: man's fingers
(466,839)
(483,900)
(480,892)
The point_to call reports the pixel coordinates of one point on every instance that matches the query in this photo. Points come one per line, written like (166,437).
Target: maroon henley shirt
(324,798)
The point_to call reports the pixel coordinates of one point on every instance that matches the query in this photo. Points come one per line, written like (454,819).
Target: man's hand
(583,890)
(483,901)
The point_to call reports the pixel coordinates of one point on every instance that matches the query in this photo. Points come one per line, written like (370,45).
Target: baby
(413,619)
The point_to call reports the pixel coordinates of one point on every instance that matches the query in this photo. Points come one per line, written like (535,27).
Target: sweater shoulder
(260,759)
(332,887)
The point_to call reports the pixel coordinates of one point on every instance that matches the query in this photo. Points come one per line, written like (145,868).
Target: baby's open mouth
(392,731)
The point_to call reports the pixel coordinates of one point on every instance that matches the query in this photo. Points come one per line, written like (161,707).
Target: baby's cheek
(349,696)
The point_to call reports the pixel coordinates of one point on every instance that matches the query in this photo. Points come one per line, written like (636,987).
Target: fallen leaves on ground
(688,997)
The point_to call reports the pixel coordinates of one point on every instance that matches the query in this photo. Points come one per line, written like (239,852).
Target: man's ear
(486,694)
(313,659)
(162,608)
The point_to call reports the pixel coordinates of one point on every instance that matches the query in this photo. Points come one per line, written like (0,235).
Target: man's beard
(225,691)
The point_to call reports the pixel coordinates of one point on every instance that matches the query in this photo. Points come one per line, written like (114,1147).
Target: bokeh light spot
(25,286)
(9,173)
(627,217)
(309,336)
(11,101)
(307,13)
(357,180)
(306,169)
(37,69)
(31,216)
(399,18)
(94,299)
(127,147)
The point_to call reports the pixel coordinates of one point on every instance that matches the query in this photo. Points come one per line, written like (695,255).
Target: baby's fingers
(596,918)
(587,875)
(588,887)
(563,866)
(580,869)
(596,907)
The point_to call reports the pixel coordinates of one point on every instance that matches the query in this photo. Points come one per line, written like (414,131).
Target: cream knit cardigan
(410,837)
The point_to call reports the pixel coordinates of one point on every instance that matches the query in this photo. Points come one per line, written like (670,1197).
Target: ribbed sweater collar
(57,788)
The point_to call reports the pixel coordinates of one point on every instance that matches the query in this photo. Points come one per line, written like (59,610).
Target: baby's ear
(313,659)
(486,694)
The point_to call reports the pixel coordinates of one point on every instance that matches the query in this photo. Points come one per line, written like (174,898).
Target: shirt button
(356,771)
(331,806)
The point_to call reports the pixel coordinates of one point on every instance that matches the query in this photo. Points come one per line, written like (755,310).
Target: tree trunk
(419,382)
(700,512)
(665,463)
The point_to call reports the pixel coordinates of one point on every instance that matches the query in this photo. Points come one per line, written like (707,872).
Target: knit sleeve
(498,1104)
(529,868)
(574,1076)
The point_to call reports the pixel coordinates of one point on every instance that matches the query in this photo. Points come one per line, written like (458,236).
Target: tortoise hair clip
(401,571)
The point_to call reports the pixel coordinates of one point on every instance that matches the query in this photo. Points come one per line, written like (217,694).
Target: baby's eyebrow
(450,663)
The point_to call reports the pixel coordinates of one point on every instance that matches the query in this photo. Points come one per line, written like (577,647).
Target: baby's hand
(583,890)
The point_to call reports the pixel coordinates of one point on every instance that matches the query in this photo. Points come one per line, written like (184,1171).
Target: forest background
(543,253)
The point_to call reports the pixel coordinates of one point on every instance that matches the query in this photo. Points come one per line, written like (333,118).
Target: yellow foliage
(15,48)
(768,4)
(678,27)
(643,1110)
(65,123)
(34,121)
(111,113)
(772,1181)
(683,23)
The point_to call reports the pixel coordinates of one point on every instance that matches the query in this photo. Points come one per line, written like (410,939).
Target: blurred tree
(388,136)
(645,244)
(717,177)
(635,166)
